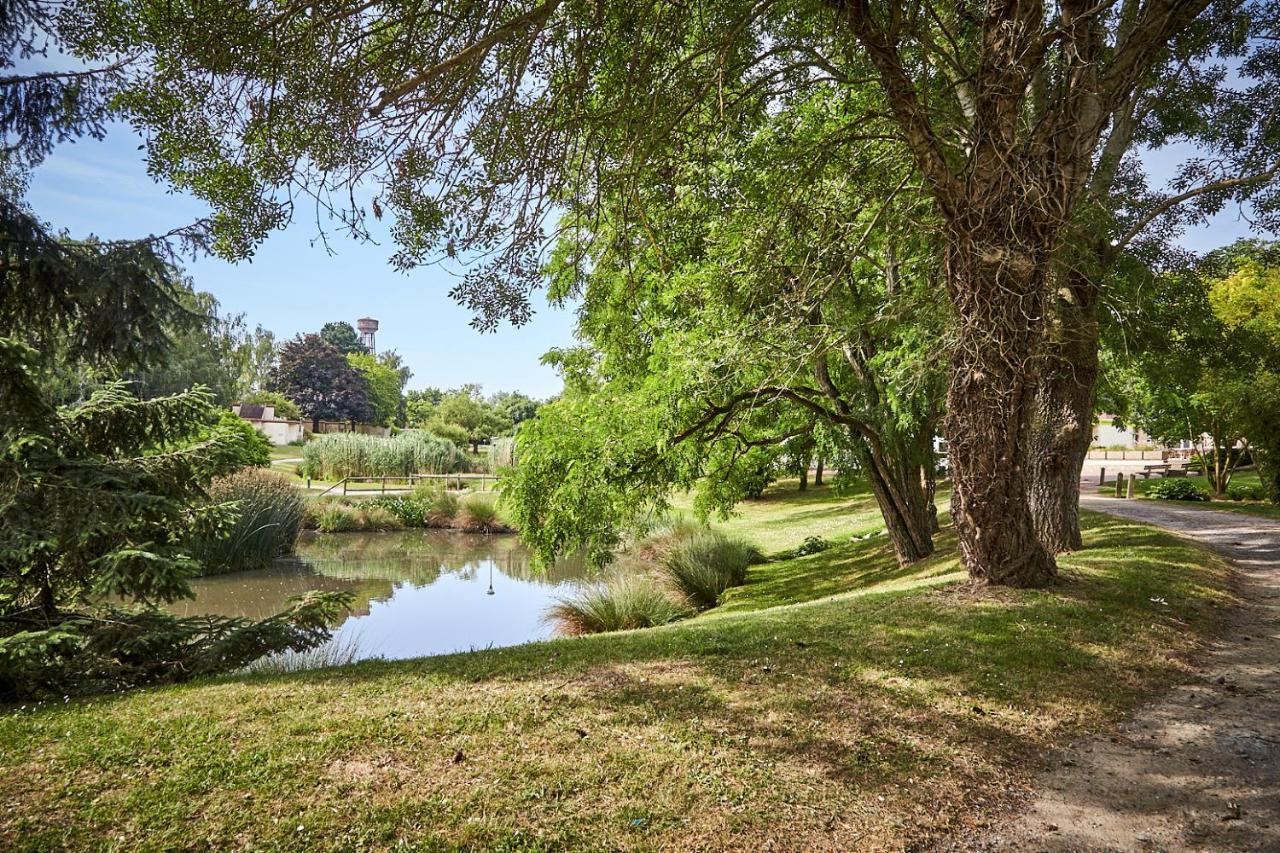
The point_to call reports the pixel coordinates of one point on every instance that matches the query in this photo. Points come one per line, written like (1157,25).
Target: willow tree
(471,124)
(742,339)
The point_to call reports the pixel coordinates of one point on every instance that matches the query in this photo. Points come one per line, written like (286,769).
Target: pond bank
(836,701)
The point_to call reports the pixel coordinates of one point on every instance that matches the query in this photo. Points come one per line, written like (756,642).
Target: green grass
(785,516)
(1246,478)
(285,451)
(835,701)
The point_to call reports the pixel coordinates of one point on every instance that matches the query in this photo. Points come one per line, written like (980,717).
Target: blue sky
(294,285)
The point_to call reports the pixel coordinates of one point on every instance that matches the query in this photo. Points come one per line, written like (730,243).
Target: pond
(415,592)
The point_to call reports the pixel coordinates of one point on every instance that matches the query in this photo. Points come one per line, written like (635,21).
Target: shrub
(442,510)
(811,545)
(285,408)
(254,450)
(478,515)
(625,601)
(1246,493)
(267,516)
(702,566)
(410,511)
(1177,489)
(345,454)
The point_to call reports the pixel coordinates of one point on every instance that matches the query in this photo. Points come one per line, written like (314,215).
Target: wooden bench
(1148,470)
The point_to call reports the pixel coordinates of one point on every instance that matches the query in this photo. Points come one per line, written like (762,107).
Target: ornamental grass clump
(267,514)
(348,454)
(701,566)
(442,510)
(478,515)
(626,600)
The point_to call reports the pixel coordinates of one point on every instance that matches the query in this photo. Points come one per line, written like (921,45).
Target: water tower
(367,327)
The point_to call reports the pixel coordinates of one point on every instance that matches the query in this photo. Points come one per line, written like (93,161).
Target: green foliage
(811,545)
(466,408)
(100,499)
(342,335)
(443,509)
(1247,493)
(285,408)
(112,649)
(384,386)
(478,514)
(702,566)
(337,518)
(409,510)
(267,513)
(626,601)
(255,448)
(338,455)
(1177,489)
(315,375)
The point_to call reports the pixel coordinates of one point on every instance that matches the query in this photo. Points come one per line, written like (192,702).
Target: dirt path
(1199,769)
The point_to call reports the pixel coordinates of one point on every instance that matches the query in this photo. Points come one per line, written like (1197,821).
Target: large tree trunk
(997,288)
(908,515)
(1062,429)
(817,472)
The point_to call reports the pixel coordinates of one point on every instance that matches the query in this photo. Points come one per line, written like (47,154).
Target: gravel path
(1199,769)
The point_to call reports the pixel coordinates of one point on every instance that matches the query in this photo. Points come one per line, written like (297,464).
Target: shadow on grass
(811,724)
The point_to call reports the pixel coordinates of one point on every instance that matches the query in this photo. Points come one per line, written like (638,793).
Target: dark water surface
(415,592)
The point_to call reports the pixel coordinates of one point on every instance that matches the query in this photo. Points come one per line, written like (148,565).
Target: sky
(294,285)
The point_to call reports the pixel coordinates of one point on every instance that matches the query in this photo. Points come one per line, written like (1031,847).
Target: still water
(415,592)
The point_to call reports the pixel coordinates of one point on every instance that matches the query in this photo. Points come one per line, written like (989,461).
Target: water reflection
(415,592)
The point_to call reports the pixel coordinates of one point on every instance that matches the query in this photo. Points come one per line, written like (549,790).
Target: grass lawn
(1245,479)
(836,701)
(784,517)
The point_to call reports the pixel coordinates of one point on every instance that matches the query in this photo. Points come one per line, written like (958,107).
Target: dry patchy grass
(834,702)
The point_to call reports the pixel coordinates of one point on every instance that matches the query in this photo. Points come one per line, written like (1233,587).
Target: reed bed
(346,454)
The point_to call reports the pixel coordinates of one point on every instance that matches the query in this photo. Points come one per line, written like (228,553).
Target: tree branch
(534,17)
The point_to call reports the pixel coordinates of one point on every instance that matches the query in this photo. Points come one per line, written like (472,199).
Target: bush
(811,545)
(1178,489)
(285,408)
(410,511)
(346,454)
(478,515)
(1246,493)
(702,566)
(255,449)
(625,601)
(267,516)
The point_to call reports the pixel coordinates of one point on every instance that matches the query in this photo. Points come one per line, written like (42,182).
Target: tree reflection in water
(415,592)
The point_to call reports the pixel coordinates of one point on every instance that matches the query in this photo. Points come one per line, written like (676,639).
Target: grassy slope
(1246,479)
(877,709)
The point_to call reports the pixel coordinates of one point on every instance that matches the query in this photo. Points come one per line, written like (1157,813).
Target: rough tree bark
(909,515)
(1062,428)
(997,283)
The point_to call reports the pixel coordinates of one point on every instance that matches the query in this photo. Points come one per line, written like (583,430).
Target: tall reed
(268,515)
(347,454)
